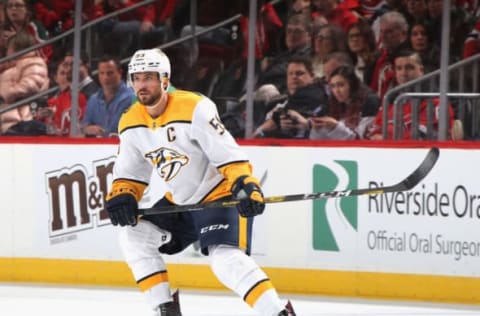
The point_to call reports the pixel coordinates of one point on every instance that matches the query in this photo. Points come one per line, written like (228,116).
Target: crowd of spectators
(323,67)
(372,34)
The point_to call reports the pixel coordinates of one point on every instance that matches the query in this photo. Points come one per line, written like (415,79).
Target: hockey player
(179,135)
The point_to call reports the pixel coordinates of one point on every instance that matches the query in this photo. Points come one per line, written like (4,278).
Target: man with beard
(105,107)
(180,136)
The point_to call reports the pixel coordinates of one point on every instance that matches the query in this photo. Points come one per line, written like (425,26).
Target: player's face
(148,87)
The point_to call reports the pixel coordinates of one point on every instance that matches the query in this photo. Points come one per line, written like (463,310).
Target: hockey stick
(408,183)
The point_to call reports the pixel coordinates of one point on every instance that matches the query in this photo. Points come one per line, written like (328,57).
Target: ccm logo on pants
(214,227)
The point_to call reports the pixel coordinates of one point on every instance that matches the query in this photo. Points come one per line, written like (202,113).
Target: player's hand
(93,131)
(247,190)
(122,210)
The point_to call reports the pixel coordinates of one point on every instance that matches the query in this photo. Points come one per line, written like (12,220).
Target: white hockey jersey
(187,146)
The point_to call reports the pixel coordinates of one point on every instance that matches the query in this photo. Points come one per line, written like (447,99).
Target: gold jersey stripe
(155,279)
(137,115)
(256,291)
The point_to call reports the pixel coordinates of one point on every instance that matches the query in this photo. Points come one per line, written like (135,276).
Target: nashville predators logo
(167,161)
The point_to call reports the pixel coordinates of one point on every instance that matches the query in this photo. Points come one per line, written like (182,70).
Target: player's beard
(149,99)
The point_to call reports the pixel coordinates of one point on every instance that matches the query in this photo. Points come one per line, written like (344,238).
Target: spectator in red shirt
(393,33)
(55,15)
(58,15)
(471,45)
(58,114)
(268,27)
(408,66)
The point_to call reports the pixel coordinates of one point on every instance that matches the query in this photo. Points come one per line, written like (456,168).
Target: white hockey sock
(242,275)
(139,245)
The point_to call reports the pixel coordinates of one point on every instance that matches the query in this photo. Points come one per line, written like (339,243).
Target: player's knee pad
(234,268)
(142,240)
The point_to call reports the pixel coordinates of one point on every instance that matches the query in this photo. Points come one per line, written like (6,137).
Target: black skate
(288,311)
(169,308)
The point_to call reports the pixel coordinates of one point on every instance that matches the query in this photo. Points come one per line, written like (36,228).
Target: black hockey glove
(123,210)
(247,190)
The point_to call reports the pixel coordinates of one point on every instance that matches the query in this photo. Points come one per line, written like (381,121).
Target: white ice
(32,300)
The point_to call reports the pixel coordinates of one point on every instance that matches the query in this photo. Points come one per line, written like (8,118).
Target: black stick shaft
(408,183)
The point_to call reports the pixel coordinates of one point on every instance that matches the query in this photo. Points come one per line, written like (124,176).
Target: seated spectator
(3,37)
(57,115)
(334,13)
(125,28)
(363,49)
(25,76)
(87,84)
(105,107)
(420,43)
(351,109)
(384,7)
(298,39)
(332,62)
(221,42)
(268,27)
(19,17)
(234,114)
(2,14)
(408,66)
(370,9)
(56,16)
(229,82)
(471,45)
(461,24)
(305,94)
(329,38)
(160,31)
(416,10)
(300,7)
(59,16)
(393,33)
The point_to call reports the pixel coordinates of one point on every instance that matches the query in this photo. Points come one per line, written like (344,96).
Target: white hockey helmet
(150,60)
